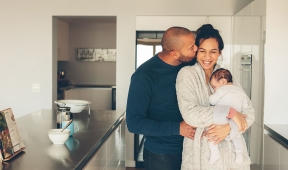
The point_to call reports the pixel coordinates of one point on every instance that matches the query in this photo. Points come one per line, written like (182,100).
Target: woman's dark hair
(222,73)
(207,31)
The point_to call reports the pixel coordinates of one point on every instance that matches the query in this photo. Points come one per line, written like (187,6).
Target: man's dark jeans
(154,161)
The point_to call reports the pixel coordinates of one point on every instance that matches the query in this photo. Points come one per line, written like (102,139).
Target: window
(145,52)
(148,44)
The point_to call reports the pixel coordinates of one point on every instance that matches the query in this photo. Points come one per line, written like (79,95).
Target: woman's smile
(207,62)
(208,53)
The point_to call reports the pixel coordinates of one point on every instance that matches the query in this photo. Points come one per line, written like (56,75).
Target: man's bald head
(171,39)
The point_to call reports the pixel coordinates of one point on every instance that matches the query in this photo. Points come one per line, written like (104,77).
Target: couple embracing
(168,102)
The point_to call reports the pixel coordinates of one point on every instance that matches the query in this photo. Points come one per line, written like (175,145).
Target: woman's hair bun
(205,27)
(207,31)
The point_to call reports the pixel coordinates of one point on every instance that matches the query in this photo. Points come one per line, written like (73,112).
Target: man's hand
(187,130)
(217,133)
(240,120)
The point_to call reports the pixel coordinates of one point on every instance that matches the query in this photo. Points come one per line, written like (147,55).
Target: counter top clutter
(76,106)
(76,152)
(278,132)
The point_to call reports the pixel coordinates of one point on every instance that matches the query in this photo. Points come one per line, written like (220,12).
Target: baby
(225,93)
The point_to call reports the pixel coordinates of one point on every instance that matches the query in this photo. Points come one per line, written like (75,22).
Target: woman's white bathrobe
(193,100)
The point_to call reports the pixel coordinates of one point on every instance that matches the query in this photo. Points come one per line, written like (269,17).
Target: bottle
(63,113)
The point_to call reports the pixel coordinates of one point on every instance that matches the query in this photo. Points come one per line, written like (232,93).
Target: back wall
(90,35)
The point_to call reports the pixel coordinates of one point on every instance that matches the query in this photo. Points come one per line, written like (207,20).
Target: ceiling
(88,19)
(180,7)
(240,4)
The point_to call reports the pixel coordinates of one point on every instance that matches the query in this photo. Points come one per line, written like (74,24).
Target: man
(152,107)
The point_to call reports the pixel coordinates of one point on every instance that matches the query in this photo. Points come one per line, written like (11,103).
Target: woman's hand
(217,133)
(240,120)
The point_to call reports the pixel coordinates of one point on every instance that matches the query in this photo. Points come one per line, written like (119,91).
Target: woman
(193,92)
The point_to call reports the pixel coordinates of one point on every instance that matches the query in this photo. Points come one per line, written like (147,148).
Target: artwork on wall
(96,54)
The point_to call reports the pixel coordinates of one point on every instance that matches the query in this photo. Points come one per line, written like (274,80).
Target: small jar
(63,114)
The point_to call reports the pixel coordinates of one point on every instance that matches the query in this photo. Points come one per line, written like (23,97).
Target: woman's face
(208,53)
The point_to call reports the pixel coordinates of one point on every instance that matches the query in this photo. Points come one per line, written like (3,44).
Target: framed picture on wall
(96,54)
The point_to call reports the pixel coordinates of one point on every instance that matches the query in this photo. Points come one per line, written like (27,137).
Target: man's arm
(140,93)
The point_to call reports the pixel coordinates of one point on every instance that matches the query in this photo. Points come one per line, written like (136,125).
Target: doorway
(148,43)
(97,79)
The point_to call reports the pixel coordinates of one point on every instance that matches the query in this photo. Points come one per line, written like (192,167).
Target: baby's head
(220,77)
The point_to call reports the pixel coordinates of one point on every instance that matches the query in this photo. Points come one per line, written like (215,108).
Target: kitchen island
(275,146)
(278,132)
(99,133)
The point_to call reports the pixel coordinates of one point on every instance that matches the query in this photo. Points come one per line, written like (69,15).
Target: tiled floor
(256,167)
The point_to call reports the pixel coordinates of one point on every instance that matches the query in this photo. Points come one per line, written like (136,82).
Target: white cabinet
(111,156)
(101,98)
(99,161)
(271,154)
(79,94)
(256,145)
(283,158)
(113,144)
(63,41)
(275,154)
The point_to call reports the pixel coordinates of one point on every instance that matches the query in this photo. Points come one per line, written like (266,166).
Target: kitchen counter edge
(277,132)
(98,145)
(86,86)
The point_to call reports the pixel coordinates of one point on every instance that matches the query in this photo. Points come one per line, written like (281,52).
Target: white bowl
(58,137)
(76,106)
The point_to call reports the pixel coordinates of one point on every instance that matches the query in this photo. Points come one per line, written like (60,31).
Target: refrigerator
(246,83)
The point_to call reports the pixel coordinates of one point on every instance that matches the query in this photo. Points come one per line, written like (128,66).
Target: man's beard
(185,59)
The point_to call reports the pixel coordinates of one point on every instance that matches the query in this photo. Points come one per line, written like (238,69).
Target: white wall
(90,35)
(275,110)
(143,23)
(62,40)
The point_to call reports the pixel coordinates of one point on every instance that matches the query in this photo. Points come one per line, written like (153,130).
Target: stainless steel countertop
(74,86)
(278,132)
(40,153)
